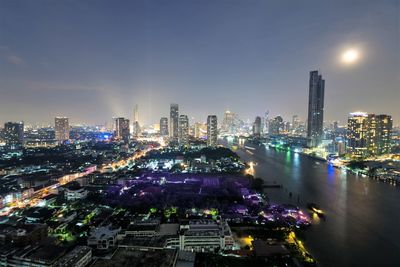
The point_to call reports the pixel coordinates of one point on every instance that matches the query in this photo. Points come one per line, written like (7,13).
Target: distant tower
(212,133)
(61,128)
(174,122)
(228,123)
(257,127)
(164,126)
(276,126)
(14,134)
(135,121)
(266,122)
(295,122)
(122,129)
(315,109)
(183,130)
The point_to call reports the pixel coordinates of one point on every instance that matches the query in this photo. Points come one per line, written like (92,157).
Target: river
(362,226)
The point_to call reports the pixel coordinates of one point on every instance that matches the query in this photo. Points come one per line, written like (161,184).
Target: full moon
(350,56)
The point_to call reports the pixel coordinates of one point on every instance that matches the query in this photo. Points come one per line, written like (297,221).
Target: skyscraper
(276,126)
(315,109)
(174,122)
(212,132)
(14,134)
(295,122)
(164,126)
(183,130)
(257,127)
(122,129)
(379,134)
(228,122)
(384,134)
(135,121)
(266,122)
(61,129)
(368,134)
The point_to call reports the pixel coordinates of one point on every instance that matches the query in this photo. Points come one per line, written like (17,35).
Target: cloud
(15,60)
(10,56)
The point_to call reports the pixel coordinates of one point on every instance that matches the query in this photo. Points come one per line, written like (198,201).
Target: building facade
(276,126)
(164,126)
(368,134)
(174,122)
(212,131)
(122,129)
(183,136)
(61,129)
(14,134)
(257,127)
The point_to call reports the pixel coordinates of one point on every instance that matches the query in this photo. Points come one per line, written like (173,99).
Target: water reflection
(361,227)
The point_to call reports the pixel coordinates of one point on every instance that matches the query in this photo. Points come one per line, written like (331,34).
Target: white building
(72,194)
(203,236)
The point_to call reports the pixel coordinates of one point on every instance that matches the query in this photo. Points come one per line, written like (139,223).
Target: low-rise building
(103,237)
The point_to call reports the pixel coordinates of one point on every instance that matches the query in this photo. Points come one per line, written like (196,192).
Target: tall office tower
(122,129)
(257,127)
(212,132)
(135,121)
(14,134)
(164,126)
(276,126)
(183,136)
(174,122)
(379,134)
(200,130)
(315,109)
(228,123)
(61,129)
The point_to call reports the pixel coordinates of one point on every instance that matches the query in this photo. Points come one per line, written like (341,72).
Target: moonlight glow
(350,56)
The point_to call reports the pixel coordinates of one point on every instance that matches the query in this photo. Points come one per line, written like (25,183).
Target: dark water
(362,226)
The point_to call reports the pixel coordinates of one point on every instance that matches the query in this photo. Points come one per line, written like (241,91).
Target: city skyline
(153,55)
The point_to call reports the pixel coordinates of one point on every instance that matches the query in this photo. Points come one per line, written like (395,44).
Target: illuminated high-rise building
(368,134)
(379,134)
(164,126)
(14,134)
(228,123)
(357,130)
(122,129)
(315,109)
(257,127)
(212,131)
(61,129)
(183,137)
(174,122)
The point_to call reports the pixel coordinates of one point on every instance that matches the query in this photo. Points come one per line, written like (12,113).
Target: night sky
(92,60)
